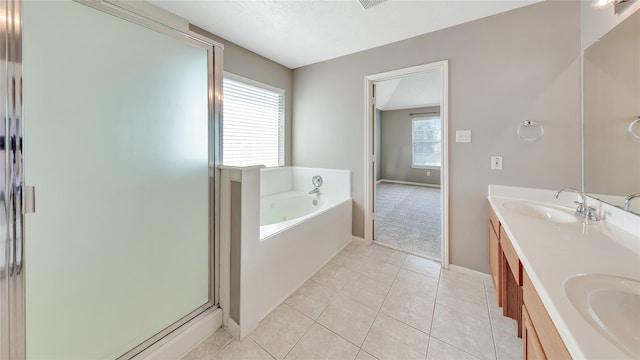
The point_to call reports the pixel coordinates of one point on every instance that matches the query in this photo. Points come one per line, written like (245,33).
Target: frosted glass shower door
(116,143)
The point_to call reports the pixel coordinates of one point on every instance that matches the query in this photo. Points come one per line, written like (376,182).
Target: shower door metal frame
(12,297)
(12,345)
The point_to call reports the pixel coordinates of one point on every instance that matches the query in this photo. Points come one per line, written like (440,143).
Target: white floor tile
(422,266)
(210,346)
(409,306)
(370,303)
(320,343)
(281,330)
(366,290)
(348,318)
(464,332)
(311,299)
(242,350)
(439,350)
(392,339)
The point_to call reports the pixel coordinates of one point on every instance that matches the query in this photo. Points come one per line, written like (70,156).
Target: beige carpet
(408,218)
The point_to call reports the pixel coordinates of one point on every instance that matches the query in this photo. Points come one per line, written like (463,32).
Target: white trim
(407,183)
(233,328)
(256,83)
(184,339)
(470,272)
(356,240)
(369,80)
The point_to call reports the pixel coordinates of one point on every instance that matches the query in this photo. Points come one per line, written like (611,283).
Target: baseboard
(464,270)
(408,183)
(233,328)
(359,241)
(180,342)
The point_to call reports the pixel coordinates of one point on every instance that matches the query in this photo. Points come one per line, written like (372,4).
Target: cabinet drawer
(511,256)
(547,333)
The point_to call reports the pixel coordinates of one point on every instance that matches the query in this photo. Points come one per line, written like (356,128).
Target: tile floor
(372,302)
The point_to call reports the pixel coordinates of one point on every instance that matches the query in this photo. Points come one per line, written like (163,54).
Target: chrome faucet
(583,209)
(627,201)
(316,181)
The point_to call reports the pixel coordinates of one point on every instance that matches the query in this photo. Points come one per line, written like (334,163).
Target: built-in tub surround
(262,265)
(553,249)
(286,199)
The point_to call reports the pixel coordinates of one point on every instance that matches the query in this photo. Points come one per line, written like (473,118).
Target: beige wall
(243,62)
(519,65)
(395,154)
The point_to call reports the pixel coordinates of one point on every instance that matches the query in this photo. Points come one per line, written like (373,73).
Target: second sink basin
(541,211)
(611,304)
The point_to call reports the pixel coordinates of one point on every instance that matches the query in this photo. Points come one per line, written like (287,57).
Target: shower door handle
(29,199)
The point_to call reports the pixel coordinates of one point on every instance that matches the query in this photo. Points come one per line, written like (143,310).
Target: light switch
(463,136)
(496,163)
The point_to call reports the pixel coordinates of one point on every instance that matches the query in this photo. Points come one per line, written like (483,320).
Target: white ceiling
(420,90)
(296,33)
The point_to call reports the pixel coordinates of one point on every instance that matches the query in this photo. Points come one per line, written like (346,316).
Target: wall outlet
(428,173)
(496,163)
(463,136)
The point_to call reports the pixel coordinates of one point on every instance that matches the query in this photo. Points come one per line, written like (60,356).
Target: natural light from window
(253,123)
(427,143)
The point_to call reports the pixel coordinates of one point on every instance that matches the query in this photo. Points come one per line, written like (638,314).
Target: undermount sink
(611,305)
(542,211)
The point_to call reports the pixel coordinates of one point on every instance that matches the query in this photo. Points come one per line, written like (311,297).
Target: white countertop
(551,253)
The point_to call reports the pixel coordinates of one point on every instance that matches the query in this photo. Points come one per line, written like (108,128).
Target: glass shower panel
(116,145)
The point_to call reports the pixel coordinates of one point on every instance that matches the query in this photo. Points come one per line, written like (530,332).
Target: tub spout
(314,191)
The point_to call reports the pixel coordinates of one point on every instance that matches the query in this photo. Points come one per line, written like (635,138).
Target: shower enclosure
(114,164)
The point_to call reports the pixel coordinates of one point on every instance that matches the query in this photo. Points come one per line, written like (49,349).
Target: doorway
(406,182)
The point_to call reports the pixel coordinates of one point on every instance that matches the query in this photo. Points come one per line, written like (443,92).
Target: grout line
(381,305)
(493,334)
(263,349)
(452,309)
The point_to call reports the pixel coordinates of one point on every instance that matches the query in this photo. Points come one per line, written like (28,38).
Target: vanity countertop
(551,253)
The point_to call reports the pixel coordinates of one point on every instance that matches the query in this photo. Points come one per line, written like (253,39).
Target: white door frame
(369,166)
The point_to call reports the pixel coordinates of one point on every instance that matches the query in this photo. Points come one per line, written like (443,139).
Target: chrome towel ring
(634,134)
(529,131)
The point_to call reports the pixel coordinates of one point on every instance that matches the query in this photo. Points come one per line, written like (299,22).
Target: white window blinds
(253,123)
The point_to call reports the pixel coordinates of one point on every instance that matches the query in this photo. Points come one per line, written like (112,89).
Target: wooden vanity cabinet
(519,299)
(540,334)
(531,346)
(495,254)
(511,280)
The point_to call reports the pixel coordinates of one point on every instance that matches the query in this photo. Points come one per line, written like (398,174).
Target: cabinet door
(495,263)
(531,347)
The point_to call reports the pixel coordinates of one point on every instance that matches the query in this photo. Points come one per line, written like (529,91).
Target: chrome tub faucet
(627,201)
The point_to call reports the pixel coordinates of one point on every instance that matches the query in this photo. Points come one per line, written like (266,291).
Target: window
(253,123)
(427,143)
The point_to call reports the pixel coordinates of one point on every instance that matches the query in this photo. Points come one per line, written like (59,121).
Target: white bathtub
(283,210)
(307,235)
(277,238)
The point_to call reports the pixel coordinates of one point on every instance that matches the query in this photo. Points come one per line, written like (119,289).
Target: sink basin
(611,305)
(541,211)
